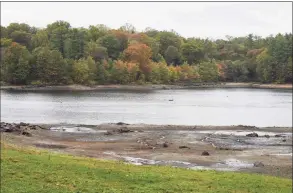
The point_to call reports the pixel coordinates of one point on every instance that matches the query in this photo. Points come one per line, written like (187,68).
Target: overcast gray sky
(192,19)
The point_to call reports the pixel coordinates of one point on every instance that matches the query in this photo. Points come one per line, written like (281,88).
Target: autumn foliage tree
(141,54)
(62,54)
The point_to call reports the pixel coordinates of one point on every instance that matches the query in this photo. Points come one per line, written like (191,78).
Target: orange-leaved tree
(221,71)
(141,54)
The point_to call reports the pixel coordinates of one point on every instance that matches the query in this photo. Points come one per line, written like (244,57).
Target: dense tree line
(61,54)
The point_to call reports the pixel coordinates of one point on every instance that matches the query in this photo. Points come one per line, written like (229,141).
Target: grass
(32,171)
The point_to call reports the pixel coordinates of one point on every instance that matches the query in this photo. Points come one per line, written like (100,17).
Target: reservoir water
(258,107)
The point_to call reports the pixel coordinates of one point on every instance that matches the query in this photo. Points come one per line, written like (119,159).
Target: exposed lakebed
(231,148)
(237,148)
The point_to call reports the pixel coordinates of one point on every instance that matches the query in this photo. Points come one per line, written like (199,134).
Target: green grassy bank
(32,171)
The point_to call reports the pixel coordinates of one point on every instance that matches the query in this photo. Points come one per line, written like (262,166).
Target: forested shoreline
(60,55)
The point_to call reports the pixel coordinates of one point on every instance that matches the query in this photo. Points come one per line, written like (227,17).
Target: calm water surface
(259,107)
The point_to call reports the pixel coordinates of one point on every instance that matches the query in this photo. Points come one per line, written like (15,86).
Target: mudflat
(227,148)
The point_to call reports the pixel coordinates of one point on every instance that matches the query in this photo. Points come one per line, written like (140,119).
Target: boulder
(205,153)
(34,127)
(121,123)
(258,164)
(252,134)
(183,147)
(108,133)
(23,124)
(123,130)
(165,144)
(25,133)
(7,129)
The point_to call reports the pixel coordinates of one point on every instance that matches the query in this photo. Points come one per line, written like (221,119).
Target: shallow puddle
(227,165)
(76,129)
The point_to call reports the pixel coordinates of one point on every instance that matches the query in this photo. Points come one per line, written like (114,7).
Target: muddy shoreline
(111,126)
(145,87)
(239,148)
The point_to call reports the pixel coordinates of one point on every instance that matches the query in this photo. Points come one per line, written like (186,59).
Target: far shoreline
(163,127)
(134,87)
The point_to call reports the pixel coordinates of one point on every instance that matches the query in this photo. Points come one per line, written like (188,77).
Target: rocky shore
(19,128)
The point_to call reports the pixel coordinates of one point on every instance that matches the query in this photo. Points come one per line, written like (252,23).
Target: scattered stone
(183,147)
(165,144)
(278,135)
(252,134)
(205,153)
(284,140)
(120,130)
(258,164)
(266,136)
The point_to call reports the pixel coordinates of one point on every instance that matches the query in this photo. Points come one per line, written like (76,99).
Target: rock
(121,123)
(266,136)
(26,133)
(223,148)
(258,164)
(23,124)
(247,126)
(278,135)
(33,127)
(171,100)
(165,144)
(252,134)
(205,153)
(183,147)
(123,130)
(284,140)
(8,129)
(108,133)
